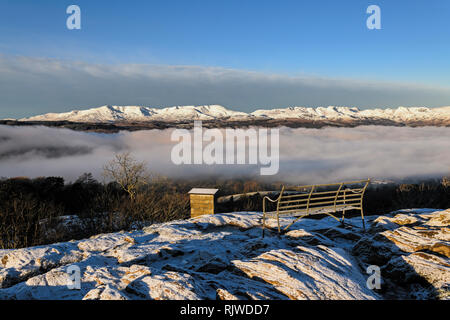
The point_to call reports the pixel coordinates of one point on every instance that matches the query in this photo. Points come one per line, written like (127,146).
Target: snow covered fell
(217,112)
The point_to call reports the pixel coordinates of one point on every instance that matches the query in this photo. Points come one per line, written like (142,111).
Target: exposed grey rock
(224,257)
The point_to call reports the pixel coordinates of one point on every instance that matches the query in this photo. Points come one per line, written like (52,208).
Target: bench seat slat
(295,195)
(355,193)
(312,211)
(348,197)
(311,199)
(312,203)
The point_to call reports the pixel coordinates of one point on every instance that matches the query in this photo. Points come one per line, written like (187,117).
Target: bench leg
(263,223)
(362,217)
(343,217)
(278,221)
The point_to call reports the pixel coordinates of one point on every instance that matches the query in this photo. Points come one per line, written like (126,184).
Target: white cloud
(306,155)
(30,86)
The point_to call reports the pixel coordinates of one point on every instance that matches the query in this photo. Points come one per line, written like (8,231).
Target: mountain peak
(112,113)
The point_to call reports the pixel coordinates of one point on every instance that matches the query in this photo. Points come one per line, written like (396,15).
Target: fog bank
(306,155)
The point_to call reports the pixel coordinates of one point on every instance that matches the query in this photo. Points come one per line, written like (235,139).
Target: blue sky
(324,39)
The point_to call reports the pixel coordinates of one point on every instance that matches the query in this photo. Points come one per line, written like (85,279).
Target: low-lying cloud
(306,155)
(30,86)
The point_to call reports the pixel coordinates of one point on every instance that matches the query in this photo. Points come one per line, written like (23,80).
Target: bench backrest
(336,196)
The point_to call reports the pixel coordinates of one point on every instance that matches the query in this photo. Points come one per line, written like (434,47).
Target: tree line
(31,210)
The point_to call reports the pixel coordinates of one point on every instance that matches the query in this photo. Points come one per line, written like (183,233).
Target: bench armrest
(266,197)
(272,200)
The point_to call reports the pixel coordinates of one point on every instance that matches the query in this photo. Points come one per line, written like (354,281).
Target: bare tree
(127,172)
(446,181)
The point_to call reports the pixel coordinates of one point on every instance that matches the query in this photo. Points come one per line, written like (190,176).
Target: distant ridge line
(345,115)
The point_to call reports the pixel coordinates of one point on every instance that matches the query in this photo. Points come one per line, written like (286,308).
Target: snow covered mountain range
(422,115)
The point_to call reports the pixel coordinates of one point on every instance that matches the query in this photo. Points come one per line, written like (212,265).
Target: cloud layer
(30,86)
(306,155)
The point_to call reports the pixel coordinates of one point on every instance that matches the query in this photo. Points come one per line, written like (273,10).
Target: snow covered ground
(224,257)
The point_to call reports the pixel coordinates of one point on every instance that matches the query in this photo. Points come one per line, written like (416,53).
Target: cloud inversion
(306,155)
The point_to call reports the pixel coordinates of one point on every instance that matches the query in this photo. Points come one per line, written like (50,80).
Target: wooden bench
(317,199)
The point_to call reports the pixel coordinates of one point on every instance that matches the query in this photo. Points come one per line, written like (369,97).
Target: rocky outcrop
(412,247)
(224,257)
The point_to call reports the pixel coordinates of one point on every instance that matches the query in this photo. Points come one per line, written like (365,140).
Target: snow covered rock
(299,273)
(223,256)
(412,247)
